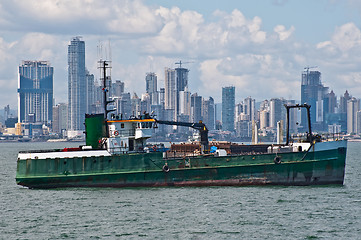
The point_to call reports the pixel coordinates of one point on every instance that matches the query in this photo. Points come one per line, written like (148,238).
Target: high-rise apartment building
(77,103)
(118,88)
(249,108)
(90,92)
(151,87)
(208,113)
(196,107)
(123,105)
(60,118)
(353,106)
(170,91)
(276,112)
(228,108)
(184,103)
(343,102)
(35,92)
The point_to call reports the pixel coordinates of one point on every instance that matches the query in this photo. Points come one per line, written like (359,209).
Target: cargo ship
(116,154)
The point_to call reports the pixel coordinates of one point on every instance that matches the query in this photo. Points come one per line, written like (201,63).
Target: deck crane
(200,126)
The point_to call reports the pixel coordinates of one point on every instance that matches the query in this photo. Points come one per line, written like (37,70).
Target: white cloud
(284,34)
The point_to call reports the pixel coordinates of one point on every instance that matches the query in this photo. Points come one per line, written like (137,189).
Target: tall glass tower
(312,93)
(228,107)
(182,83)
(77,103)
(35,92)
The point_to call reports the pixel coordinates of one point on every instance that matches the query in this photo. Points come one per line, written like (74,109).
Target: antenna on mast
(104,65)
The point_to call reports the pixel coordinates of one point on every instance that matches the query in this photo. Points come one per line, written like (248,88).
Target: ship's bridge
(129,135)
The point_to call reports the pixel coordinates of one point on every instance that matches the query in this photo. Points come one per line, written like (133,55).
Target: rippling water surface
(326,212)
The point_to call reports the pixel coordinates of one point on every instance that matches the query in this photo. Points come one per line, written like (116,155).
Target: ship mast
(104,65)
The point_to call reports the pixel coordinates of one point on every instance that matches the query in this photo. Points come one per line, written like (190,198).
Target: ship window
(143,125)
(122,125)
(150,125)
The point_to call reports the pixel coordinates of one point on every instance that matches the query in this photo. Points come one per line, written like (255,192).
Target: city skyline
(262,53)
(327,112)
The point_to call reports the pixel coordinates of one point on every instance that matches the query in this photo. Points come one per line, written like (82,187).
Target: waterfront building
(264,119)
(60,118)
(35,92)
(228,108)
(77,103)
(353,106)
(244,128)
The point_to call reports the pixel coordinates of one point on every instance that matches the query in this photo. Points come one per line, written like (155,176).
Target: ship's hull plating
(324,163)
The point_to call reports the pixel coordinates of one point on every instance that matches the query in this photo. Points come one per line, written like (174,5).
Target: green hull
(324,164)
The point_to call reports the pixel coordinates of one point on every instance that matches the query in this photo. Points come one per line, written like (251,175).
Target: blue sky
(260,47)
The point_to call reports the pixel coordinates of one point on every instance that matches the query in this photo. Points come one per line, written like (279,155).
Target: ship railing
(180,154)
(303,137)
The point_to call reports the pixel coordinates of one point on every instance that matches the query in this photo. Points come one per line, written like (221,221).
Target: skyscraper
(208,113)
(228,107)
(353,106)
(182,83)
(90,92)
(60,118)
(77,104)
(35,92)
(118,88)
(151,87)
(312,93)
(196,107)
(249,108)
(276,112)
(170,91)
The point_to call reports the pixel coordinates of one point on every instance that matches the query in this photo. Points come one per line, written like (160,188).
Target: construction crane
(180,63)
(308,68)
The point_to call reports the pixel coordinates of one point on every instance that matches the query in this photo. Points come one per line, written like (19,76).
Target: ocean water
(321,212)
